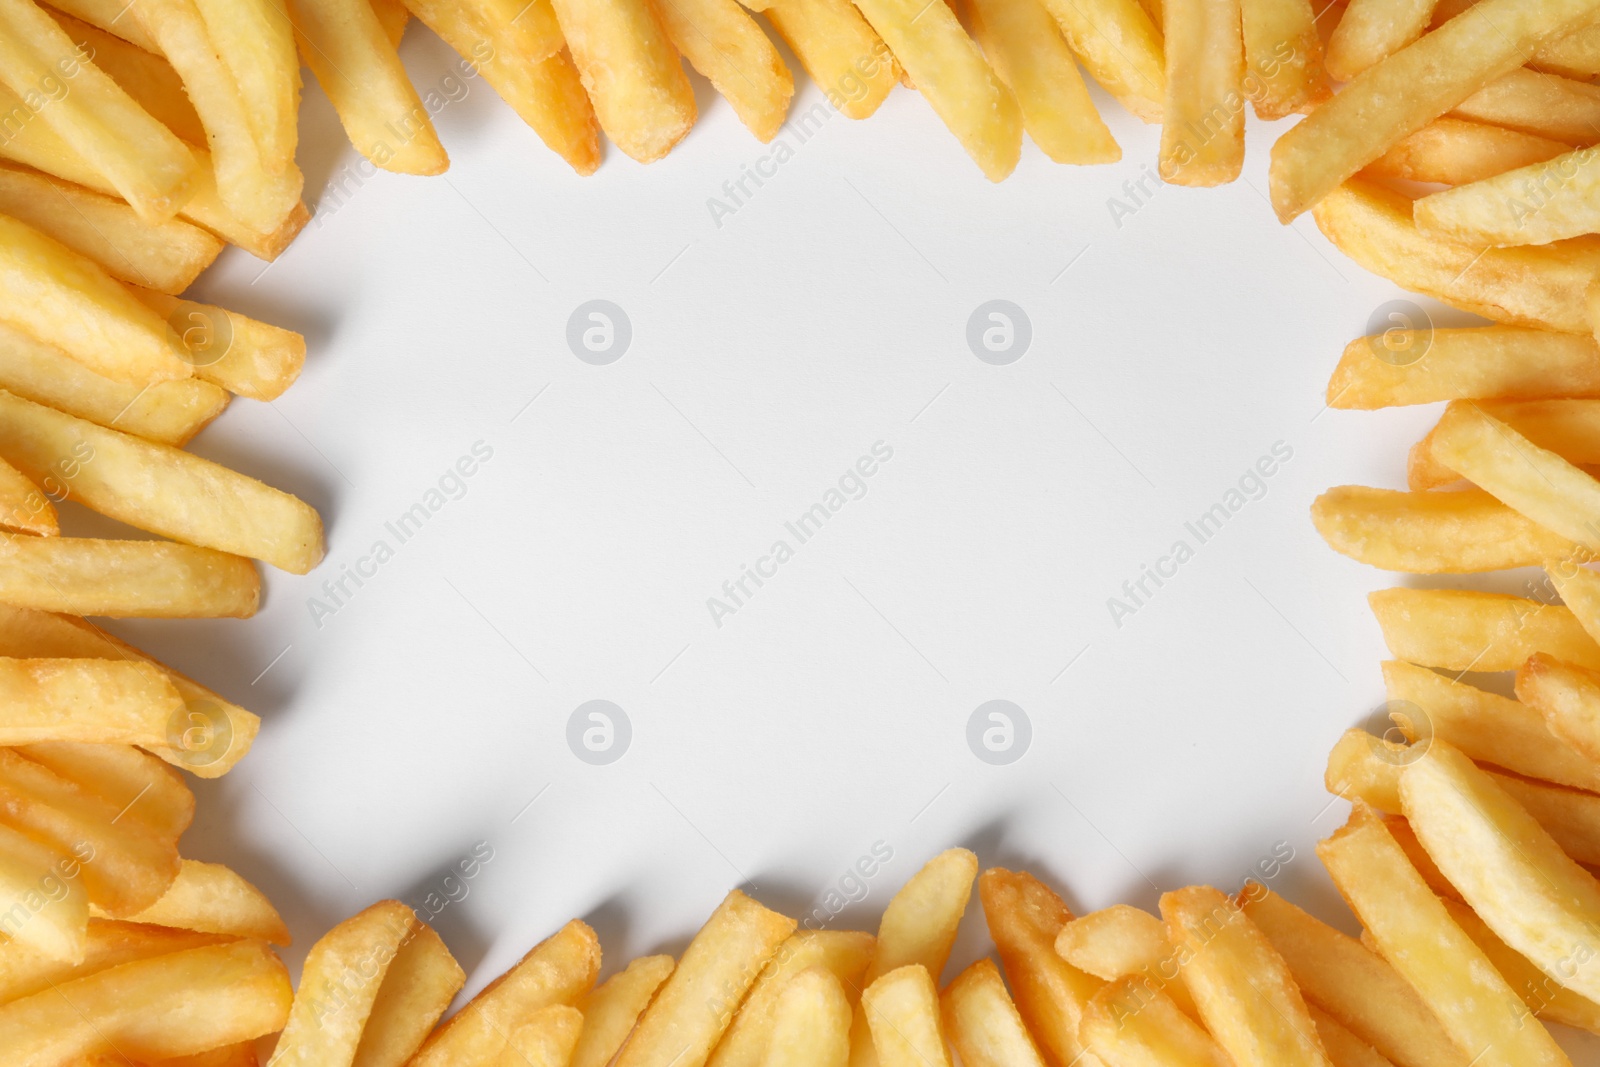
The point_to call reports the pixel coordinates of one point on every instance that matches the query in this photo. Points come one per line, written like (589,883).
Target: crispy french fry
(1434,533)
(1406,838)
(239,353)
(1543,995)
(25,971)
(1415,933)
(1344,1048)
(1486,362)
(23,507)
(145,790)
(1371,31)
(92,700)
(111,16)
(1024,919)
(1533,205)
(723,43)
(611,1010)
(1538,286)
(1467,630)
(1570,816)
(841,52)
(1121,47)
(1367,768)
(421,981)
(1130,1025)
(810,1023)
(546,1039)
(143,75)
(1568,698)
(395,17)
(1569,427)
(213,899)
(983,1024)
(642,98)
(1574,53)
(44,909)
(242,1054)
(1284,71)
(1202,135)
(558,970)
(1452,151)
(1353,985)
(1580,590)
(902,1008)
(1545,105)
(695,1005)
(1122,942)
(846,954)
(138,579)
(255,41)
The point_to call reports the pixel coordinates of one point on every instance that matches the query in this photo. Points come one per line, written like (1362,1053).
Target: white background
(768,354)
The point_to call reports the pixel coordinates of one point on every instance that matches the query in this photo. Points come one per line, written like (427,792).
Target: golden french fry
(902,1008)
(143,75)
(1468,630)
(1125,942)
(846,954)
(1024,919)
(1452,151)
(1121,47)
(421,981)
(92,700)
(1284,71)
(394,16)
(695,1005)
(255,41)
(1574,54)
(213,899)
(1344,1048)
(642,98)
(239,353)
(123,579)
(1569,699)
(1423,366)
(983,1024)
(723,43)
(1570,816)
(1434,533)
(112,17)
(23,507)
(546,1039)
(810,1023)
(1542,104)
(141,787)
(1531,286)
(841,52)
(1544,996)
(1031,57)
(1354,985)
(1367,768)
(1202,133)
(611,1010)
(1569,427)
(25,971)
(44,909)
(1580,590)
(1406,838)
(1371,31)
(558,970)
(1130,1025)
(1533,205)
(242,1054)
(224,994)
(1415,933)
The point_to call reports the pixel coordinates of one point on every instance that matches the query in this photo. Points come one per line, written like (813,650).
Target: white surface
(768,354)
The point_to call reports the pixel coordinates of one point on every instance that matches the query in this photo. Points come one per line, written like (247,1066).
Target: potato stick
(1354,985)
(811,1023)
(242,1054)
(1419,939)
(902,1008)
(920,922)
(223,994)
(1569,428)
(1451,151)
(1121,47)
(846,954)
(1024,919)
(23,508)
(1407,91)
(44,910)
(950,72)
(88,700)
(611,1010)
(1202,137)
(631,72)
(143,75)
(1344,1048)
(25,970)
(1580,590)
(1364,767)
(1570,816)
(1505,865)
(1129,1025)
(1482,362)
(1544,286)
(255,40)
(1433,533)
(1543,995)
(1568,698)
(339,984)
(147,791)
(843,55)
(394,16)
(1284,72)
(1574,53)
(1467,630)
(421,981)
(234,351)
(558,970)
(546,1039)
(161,489)
(1029,54)
(1406,838)
(213,899)
(723,43)
(111,16)
(694,1007)
(982,1022)
(1121,942)
(126,579)
(1534,205)
(1545,105)
(346,47)
(1486,726)
(1371,31)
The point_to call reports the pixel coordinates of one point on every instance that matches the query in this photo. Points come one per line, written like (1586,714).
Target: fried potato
(1580,590)
(1433,533)
(112,17)
(983,1024)
(242,1054)
(631,72)
(952,75)
(846,954)
(1371,31)
(902,1008)
(546,1039)
(1364,767)
(126,579)
(1126,942)
(841,52)
(1024,919)
(213,899)
(1570,816)
(1568,698)
(144,790)
(143,75)
(94,700)
(224,994)
(611,1010)
(422,979)
(1344,1048)
(161,489)
(1353,985)
(1544,996)
(1415,933)
(1569,427)
(1533,205)
(44,910)
(920,922)
(23,508)
(25,971)
(558,970)
(1406,838)
(1540,286)
(1121,47)
(1486,362)
(695,1005)
(255,40)
(1451,151)
(810,1023)
(1202,137)
(1284,72)
(1545,105)
(395,17)
(1468,630)
(725,45)
(1130,1025)
(339,984)
(240,354)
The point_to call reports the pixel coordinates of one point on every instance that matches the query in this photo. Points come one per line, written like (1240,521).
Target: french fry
(255,40)
(1534,205)
(983,1024)
(1451,151)
(950,72)
(1121,942)
(902,1008)
(631,72)
(1434,533)
(846,954)
(1580,590)
(1130,1025)
(150,168)
(1024,919)
(44,910)
(23,508)
(239,353)
(141,787)
(920,922)
(224,994)
(123,579)
(395,17)
(1354,985)
(558,970)
(213,899)
(1415,933)
(1344,1048)
(1406,838)
(546,1039)
(339,984)
(1574,53)
(1509,362)
(1568,427)
(1543,995)
(1546,105)
(1031,57)
(25,971)
(1468,630)
(1121,47)
(1284,71)
(421,981)
(1367,768)
(143,75)
(1371,31)
(841,52)
(725,45)
(1570,816)
(111,16)
(612,1009)
(1202,135)
(1541,286)
(1569,699)
(92,700)
(695,1005)
(242,1054)
(811,1023)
